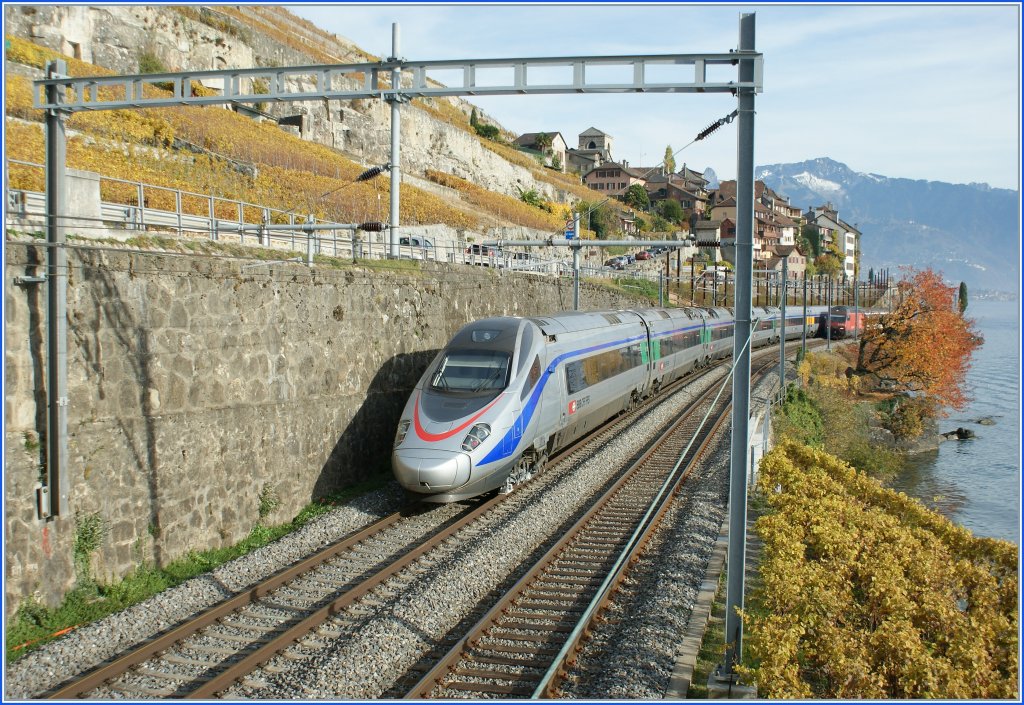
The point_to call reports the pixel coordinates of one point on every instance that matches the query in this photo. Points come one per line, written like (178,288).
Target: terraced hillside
(451,175)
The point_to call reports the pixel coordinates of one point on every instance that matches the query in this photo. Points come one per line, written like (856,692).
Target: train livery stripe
(677,330)
(421,432)
(523,421)
(514,433)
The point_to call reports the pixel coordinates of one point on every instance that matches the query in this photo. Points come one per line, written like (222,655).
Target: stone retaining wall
(198,383)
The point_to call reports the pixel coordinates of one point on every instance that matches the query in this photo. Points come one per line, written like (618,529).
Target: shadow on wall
(364,449)
(131,336)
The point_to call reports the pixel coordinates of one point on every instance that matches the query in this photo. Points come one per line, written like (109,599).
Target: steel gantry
(394,80)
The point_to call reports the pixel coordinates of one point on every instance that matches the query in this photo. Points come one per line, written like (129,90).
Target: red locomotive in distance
(842,321)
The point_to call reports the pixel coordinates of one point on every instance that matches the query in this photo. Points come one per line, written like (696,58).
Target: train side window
(531,380)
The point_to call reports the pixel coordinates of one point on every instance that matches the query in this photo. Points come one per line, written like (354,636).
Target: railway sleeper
(219,650)
(569,573)
(476,650)
(571,606)
(568,580)
(545,638)
(270,604)
(568,594)
(511,661)
(522,627)
(491,688)
(264,628)
(177,677)
(136,691)
(532,616)
(238,638)
(185,661)
(494,675)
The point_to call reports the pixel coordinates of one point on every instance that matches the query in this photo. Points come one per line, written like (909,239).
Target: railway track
(328,597)
(279,616)
(521,647)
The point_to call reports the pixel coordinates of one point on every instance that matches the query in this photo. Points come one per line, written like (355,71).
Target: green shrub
(151,63)
(490,132)
(800,419)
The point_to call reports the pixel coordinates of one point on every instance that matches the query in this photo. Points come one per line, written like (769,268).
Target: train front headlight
(477,435)
(403,428)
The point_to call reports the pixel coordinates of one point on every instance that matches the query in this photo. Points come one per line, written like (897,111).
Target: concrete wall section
(197,383)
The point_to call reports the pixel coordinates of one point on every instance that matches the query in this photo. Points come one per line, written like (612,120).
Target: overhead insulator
(372,172)
(709,129)
(715,125)
(373,227)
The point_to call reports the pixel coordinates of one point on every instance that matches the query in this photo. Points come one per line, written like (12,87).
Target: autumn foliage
(924,345)
(232,158)
(867,594)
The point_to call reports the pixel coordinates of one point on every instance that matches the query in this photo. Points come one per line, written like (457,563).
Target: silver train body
(507,392)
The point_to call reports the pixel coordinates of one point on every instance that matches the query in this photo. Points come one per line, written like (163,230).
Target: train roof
(682,312)
(575,321)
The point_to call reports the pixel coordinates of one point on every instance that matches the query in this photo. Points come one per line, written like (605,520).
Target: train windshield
(472,372)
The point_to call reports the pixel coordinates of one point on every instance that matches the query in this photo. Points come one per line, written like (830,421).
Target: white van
(415,241)
(415,247)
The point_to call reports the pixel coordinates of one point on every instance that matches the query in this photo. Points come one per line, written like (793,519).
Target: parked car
(415,241)
(644,254)
(484,250)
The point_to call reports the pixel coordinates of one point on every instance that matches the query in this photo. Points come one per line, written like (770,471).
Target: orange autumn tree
(924,345)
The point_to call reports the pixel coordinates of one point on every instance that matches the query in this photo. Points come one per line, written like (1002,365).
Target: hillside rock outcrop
(117,37)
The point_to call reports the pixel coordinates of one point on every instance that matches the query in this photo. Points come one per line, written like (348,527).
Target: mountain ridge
(969,232)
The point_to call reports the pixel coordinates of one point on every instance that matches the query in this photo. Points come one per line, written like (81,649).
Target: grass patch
(34,624)
(642,289)
(712,647)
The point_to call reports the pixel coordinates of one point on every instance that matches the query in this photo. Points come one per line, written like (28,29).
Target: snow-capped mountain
(711,177)
(969,232)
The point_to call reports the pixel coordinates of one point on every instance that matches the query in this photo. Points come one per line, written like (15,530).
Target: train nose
(424,470)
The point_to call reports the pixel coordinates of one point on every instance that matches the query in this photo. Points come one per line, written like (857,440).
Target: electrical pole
(396,132)
(740,447)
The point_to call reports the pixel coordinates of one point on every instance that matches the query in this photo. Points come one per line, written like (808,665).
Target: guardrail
(234,220)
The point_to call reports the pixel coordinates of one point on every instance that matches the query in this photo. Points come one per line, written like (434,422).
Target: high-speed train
(508,392)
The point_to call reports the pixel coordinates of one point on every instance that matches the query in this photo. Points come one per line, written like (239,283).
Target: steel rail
(555,662)
(492,620)
(211,685)
(110,670)
(98,676)
(548,687)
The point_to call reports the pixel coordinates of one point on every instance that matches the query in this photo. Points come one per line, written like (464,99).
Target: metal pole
(782,338)
(856,292)
(576,263)
(828,314)
(396,128)
(803,341)
(56,301)
(740,449)
(309,241)
(693,266)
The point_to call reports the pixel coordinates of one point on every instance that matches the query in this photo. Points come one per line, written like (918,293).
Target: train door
(705,341)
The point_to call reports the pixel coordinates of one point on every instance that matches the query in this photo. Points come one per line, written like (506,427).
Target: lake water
(976,483)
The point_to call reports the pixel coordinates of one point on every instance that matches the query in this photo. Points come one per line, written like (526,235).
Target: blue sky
(917,91)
